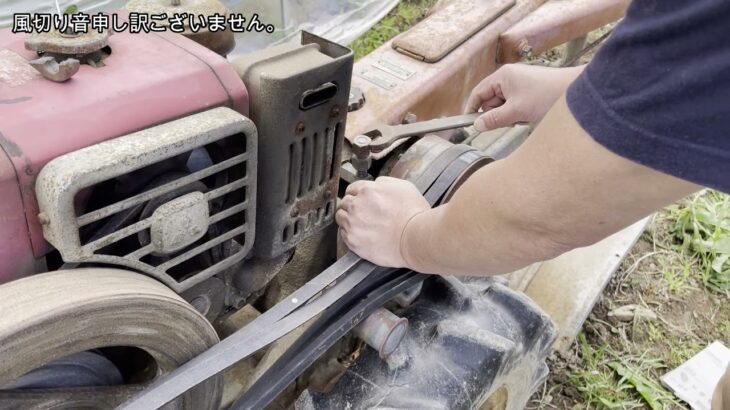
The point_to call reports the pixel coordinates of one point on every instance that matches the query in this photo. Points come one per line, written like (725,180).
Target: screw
(335,112)
(300,128)
(43,218)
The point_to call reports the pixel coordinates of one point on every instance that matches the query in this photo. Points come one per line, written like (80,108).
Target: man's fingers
(346,202)
(493,102)
(346,239)
(499,117)
(342,220)
(356,187)
(488,90)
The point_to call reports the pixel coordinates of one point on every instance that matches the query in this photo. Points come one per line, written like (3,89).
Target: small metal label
(377,79)
(391,67)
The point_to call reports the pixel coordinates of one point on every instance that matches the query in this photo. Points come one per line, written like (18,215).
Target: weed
(677,271)
(401,18)
(702,228)
(613,380)
(681,351)
(597,382)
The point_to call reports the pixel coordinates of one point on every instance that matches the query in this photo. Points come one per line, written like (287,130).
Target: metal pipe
(383,331)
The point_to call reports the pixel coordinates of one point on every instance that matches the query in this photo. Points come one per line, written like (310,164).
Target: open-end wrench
(383,136)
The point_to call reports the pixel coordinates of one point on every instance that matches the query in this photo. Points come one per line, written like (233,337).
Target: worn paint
(436,89)
(10,147)
(15,70)
(555,23)
(148,79)
(16,100)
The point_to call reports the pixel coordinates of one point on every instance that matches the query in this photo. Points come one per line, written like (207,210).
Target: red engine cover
(148,79)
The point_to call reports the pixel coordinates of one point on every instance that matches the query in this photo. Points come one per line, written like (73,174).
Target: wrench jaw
(379,142)
(383,136)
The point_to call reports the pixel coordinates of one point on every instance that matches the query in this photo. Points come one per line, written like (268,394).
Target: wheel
(136,327)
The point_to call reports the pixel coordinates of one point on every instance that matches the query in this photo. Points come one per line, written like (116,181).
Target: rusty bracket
(383,136)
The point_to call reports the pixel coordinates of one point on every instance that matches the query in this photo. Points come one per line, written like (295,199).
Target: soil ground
(663,276)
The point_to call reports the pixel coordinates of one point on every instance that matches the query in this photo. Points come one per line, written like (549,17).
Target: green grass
(611,380)
(677,271)
(401,18)
(702,232)
(681,351)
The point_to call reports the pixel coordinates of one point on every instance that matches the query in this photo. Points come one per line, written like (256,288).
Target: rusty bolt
(327,194)
(335,112)
(43,218)
(361,146)
(361,160)
(294,212)
(300,128)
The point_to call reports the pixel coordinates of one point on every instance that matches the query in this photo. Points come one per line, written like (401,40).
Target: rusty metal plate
(555,23)
(71,44)
(443,31)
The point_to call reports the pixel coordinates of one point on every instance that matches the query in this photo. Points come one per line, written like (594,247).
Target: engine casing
(148,79)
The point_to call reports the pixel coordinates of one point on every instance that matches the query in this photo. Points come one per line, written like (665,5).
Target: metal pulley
(222,42)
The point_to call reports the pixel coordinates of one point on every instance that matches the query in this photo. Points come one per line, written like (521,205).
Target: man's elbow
(557,240)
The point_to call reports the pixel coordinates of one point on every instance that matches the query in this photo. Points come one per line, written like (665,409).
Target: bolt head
(300,128)
(335,112)
(361,141)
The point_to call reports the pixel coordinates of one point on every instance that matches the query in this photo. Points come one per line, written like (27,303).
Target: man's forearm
(558,191)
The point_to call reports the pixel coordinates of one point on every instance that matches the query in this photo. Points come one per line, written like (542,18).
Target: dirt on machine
(168,237)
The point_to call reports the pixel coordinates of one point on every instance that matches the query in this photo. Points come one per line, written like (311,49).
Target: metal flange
(74,44)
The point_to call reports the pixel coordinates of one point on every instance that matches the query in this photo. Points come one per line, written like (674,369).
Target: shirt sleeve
(658,90)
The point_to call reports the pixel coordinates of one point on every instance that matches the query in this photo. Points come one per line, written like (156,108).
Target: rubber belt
(323,334)
(285,316)
(342,317)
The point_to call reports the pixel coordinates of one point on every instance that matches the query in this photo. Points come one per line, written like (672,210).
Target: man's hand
(373,215)
(518,93)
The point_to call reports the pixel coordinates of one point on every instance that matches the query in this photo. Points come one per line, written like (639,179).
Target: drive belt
(347,312)
(302,305)
(335,322)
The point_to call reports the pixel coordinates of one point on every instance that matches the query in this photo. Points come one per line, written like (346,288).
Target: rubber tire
(51,315)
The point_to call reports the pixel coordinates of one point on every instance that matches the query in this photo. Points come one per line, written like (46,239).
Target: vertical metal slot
(307,162)
(337,134)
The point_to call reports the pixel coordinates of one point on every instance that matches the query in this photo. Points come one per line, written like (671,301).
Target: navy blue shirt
(658,91)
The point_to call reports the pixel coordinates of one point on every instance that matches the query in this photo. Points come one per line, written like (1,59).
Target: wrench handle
(385,135)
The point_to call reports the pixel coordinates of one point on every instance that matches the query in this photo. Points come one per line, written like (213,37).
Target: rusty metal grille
(231,221)
(310,164)
(299,96)
(119,231)
(312,220)
(310,169)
